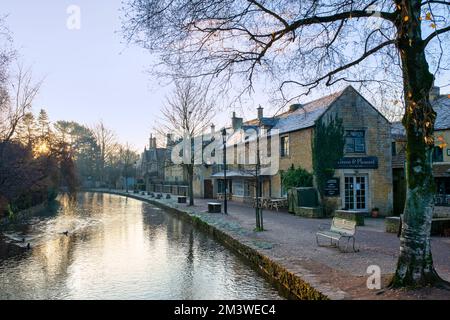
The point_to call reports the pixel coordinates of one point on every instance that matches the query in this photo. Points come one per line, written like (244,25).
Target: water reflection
(119,248)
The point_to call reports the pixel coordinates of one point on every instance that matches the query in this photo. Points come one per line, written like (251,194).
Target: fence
(179,190)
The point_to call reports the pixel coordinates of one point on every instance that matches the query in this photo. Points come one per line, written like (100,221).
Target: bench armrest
(324,227)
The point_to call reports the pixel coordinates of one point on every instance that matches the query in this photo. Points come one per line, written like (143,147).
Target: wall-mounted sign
(332,188)
(358,163)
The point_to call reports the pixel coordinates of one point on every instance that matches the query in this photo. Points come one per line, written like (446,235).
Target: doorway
(356,190)
(208,189)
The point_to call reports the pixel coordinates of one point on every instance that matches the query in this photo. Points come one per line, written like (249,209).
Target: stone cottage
(363,178)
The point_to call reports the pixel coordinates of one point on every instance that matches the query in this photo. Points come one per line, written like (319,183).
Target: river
(120,248)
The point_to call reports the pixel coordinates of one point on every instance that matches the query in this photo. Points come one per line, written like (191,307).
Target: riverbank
(24,214)
(287,253)
(235,238)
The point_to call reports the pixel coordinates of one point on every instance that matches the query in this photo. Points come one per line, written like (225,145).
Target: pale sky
(90,74)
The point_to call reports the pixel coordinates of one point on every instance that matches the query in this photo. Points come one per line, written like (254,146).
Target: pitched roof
(442,108)
(398,131)
(303,117)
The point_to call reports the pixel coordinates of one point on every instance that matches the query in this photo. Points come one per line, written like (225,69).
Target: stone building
(363,178)
(152,163)
(441,155)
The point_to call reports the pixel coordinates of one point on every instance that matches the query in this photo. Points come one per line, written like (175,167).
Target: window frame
(283,150)
(347,135)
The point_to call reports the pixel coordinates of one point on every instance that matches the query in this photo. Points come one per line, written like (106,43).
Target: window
(285,146)
(438,155)
(220,186)
(283,190)
(247,153)
(246,189)
(238,187)
(355,192)
(394,149)
(355,141)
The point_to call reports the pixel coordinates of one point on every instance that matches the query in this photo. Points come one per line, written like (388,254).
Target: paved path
(291,241)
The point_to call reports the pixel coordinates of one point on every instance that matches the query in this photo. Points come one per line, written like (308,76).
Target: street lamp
(135,176)
(259,210)
(224,141)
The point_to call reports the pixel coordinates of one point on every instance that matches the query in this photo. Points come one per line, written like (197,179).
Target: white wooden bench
(341,229)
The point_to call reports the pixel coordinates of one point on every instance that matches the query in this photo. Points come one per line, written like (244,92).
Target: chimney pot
(260,112)
(435,92)
(294,107)
(236,122)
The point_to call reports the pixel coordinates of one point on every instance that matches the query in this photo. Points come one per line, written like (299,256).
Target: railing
(175,189)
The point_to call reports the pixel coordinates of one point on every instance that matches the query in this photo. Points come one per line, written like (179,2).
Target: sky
(89,73)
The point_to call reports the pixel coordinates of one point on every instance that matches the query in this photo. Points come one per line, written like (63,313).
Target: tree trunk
(190,171)
(415,263)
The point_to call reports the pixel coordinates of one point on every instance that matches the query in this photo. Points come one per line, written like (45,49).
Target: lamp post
(259,210)
(135,176)
(224,141)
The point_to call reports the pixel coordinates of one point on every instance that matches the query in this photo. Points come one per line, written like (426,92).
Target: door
(208,187)
(356,193)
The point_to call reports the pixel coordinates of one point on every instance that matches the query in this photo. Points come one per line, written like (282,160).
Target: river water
(119,248)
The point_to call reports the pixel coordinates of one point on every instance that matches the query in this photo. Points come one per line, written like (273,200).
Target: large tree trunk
(415,263)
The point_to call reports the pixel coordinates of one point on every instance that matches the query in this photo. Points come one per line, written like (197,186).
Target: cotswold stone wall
(358,114)
(300,154)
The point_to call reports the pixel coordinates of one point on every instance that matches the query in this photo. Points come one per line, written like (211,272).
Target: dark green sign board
(358,163)
(332,188)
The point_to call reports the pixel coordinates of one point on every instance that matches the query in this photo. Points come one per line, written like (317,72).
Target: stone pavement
(290,240)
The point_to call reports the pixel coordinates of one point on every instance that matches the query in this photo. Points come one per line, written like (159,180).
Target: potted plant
(375,212)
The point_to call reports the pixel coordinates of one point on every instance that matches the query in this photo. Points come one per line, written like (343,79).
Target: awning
(232,174)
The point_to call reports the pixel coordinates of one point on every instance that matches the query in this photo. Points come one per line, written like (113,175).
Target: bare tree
(6,56)
(106,141)
(27,131)
(187,114)
(22,93)
(310,44)
(128,158)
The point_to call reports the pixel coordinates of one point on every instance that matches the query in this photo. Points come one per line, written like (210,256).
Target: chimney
(150,145)
(294,107)
(435,92)
(213,130)
(169,139)
(152,142)
(260,112)
(236,122)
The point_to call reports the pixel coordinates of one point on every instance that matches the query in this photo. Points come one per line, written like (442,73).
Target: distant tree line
(39,158)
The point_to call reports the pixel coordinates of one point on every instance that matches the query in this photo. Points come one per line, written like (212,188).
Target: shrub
(296,178)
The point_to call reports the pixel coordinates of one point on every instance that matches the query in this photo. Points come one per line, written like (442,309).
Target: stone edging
(274,270)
